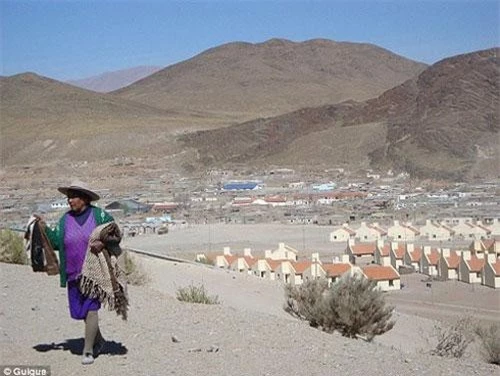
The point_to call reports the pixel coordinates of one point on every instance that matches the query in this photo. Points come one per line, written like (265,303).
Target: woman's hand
(96,246)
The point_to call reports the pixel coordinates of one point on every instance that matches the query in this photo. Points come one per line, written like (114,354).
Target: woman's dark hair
(72,193)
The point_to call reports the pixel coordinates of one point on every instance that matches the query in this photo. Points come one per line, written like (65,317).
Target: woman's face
(77,201)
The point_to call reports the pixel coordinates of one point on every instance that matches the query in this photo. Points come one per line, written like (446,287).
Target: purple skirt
(80,305)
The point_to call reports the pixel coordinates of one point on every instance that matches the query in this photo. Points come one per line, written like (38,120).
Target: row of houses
(407,232)
(306,199)
(478,264)
(282,265)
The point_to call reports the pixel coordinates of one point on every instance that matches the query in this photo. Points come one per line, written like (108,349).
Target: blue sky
(76,39)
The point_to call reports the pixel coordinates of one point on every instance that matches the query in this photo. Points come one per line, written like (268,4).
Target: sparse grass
(196,294)
(453,340)
(136,275)
(12,248)
(489,338)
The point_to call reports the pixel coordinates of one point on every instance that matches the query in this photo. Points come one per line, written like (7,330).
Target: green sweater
(56,237)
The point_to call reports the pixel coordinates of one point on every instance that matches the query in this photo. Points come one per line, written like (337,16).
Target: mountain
(51,120)
(110,81)
(444,123)
(247,81)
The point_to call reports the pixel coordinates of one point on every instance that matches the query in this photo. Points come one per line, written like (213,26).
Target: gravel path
(247,334)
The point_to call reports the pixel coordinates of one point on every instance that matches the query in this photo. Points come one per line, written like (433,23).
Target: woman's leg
(92,333)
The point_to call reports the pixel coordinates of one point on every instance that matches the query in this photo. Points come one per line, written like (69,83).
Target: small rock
(407,360)
(196,349)
(175,339)
(213,348)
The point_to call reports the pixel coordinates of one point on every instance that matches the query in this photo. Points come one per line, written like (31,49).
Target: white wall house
(342,234)
(491,271)
(435,231)
(449,264)
(469,230)
(412,256)
(283,252)
(429,261)
(470,268)
(402,232)
(360,253)
(370,233)
(386,277)
(397,254)
(382,253)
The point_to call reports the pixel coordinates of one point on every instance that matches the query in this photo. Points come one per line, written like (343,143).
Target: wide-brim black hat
(80,187)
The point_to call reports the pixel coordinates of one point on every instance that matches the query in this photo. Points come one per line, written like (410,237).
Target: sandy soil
(247,334)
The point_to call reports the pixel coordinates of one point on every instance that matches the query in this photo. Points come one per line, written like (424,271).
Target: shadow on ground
(75,346)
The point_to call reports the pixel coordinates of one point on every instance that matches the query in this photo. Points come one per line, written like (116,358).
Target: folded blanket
(102,278)
(40,252)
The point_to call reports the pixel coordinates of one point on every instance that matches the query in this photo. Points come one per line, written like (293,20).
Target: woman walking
(71,238)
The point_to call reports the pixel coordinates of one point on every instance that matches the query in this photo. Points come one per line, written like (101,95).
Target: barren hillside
(255,80)
(441,124)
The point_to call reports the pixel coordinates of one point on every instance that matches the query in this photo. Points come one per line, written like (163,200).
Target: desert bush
(353,306)
(136,275)
(12,248)
(304,301)
(489,338)
(453,339)
(196,294)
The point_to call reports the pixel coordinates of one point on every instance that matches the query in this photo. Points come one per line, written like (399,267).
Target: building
(386,277)
(491,271)
(412,256)
(471,267)
(342,234)
(402,232)
(449,264)
(369,233)
(435,231)
(429,261)
(360,253)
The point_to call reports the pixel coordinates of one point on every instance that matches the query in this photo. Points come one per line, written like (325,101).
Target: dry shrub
(489,338)
(352,306)
(453,339)
(196,294)
(136,275)
(12,248)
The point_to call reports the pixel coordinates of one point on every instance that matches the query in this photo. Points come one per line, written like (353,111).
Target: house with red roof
(386,277)
(491,271)
(333,271)
(412,256)
(382,255)
(471,267)
(397,253)
(360,253)
(429,261)
(449,264)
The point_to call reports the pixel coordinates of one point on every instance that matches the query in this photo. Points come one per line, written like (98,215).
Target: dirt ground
(443,301)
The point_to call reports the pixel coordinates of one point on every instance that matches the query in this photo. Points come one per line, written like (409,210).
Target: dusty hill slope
(50,119)
(253,80)
(443,123)
(228,339)
(111,81)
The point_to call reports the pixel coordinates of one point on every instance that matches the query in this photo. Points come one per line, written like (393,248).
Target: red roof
(363,249)
(453,260)
(475,264)
(416,254)
(301,266)
(335,270)
(400,251)
(380,273)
